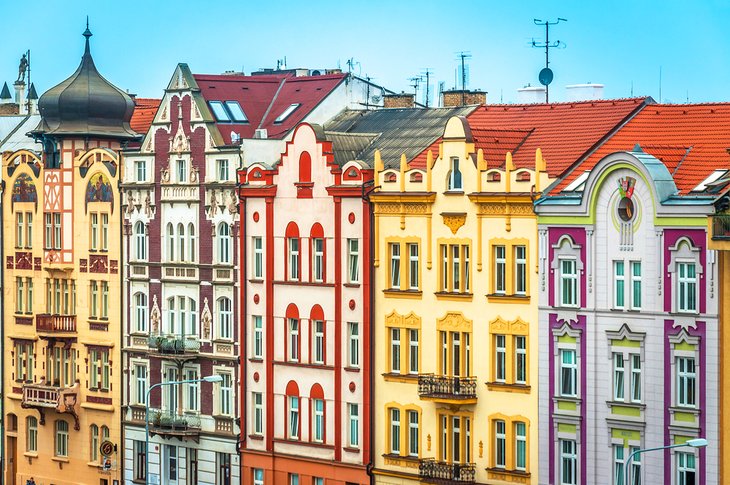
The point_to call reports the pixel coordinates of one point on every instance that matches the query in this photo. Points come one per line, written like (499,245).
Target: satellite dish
(545,76)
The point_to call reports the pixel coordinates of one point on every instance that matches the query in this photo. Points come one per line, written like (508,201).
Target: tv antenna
(427,74)
(546,74)
(463,56)
(351,63)
(416,80)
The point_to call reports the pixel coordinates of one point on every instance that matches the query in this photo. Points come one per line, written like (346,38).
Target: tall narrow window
(354,418)
(225,397)
(353,260)
(568,462)
(181,242)
(395,266)
(140,242)
(140,377)
(353,337)
(20,230)
(686,469)
(258,413)
(94,448)
(454,182)
(568,373)
(57,240)
(170,242)
(618,377)
(224,243)
(500,365)
(618,465)
(140,170)
(395,350)
(687,287)
(94,243)
(318,259)
(520,359)
(192,246)
(104,300)
(635,377)
(413,266)
(520,270)
(413,433)
(49,231)
(293,340)
(686,382)
(619,284)
(500,265)
(294,417)
(31,431)
(28,230)
(61,448)
(318,420)
(104,232)
(225,318)
(140,312)
(635,285)
(94,312)
(258,337)
(568,283)
(318,339)
(293,258)
(520,446)
(191,390)
(222,166)
(182,171)
(455,268)
(500,444)
(395,431)
(258,258)
(413,351)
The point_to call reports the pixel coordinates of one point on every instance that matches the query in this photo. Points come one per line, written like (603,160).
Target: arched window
(31,434)
(454,182)
(293,417)
(317,253)
(225,318)
(224,243)
(191,243)
(317,420)
(61,445)
(181,242)
(292,252)
(94,434)
(305,167)
(140,242)
(170,242)
(140,311)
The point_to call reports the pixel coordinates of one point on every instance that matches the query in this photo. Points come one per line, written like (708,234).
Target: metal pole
(547,58)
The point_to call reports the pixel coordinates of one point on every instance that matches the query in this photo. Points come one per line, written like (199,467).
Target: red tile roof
(565,132)
(691,139)
(144,113)
(263,98)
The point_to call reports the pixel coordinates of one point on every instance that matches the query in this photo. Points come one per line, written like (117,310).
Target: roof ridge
(686,153)
(271,104)
(565,103)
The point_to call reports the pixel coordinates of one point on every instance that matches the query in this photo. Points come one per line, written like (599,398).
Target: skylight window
(236,112)
(287,112)
(578,184)
(228,112)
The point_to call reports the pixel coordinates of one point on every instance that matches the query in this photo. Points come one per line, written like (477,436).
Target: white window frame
(181,171)
(258,336)
(571,279)
(140,170)
(394,415)
(258,257)
(635,303)
(318,340)
(685,381)
(224,251)
(500,443)
(683,467)
(221,169)
(191,390)
(687,286)
(293,250)
(413,432)
(395,349)
(318,431)
(224,394)
(224,313)
(413,276)
(572,369)
(257,400)
(520,270)
(141,382)
(258,476)
(353,435)
(619,376)
(394,250)
(353,348)
(568,457)
(500,270)
(520,359)
(619,285)
(500,358)
(353,261)
(318,259)
(293,410)
(413,357)
(293,327)
(456,178)
(520,442)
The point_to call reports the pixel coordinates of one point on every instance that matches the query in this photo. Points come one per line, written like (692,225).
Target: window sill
(256,280)
(93,464)
(301,364)
(681,409)
(393,377)
(303,283)
(497,298)
(503,474)
(351,285)
(31,454)
(508,387)
(256,437)
(450,295)
(454,192)
(60,459)
(401,460)
(352,369)
(627,404)
(256,360)
(391,293)
(351,449)
(223,341)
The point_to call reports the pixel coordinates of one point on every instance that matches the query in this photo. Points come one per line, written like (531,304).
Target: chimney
(462,97)
(584,92)
(20,97)
(402,100)
(531,94)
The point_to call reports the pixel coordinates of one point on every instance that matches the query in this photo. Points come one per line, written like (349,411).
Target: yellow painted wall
(481,215)
(101,408)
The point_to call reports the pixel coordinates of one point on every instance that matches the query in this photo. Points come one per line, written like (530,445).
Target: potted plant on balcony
(155,341)
(180,423)
(167,421)
(155,418)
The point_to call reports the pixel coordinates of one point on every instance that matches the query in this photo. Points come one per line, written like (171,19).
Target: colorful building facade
(62,232)
(306,317)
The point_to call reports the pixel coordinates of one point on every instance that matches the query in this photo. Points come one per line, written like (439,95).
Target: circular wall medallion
(351,217)
(352,386)
(352,304)
(626,209)
(256,298)
(255,376)
(256,217)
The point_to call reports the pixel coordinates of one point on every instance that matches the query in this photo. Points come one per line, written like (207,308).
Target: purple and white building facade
(628,328)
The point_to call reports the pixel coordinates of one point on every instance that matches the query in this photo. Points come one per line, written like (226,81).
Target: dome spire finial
(87,33)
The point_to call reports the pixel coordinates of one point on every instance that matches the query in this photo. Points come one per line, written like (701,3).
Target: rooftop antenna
(427,74)
(546,74)
(463,56)
(442,85)
(351,63)
(416,83)
(660,84)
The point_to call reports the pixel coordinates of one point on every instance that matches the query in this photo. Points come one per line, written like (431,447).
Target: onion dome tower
(85,106)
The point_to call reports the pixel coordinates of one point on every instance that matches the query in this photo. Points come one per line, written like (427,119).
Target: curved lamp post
(694,443)
(215,378)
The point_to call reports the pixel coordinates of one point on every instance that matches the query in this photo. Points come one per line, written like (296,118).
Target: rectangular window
(618,465)
(412,266)
(618,377)
(61,438)
(93,311)
(568,373)
(520,270)
(293,417)
(635,467)
(258,337)
(318,420)
(618,284)
(140,458)
(293,479)
(520,446)
(500,444)
(105,370)
(258,476)
(455,268)
(223,475)
(635,285)
(318,338)
(500,265)
(104,299)
(94,243)
(395,431)
(222,169)
(353,260)
(140,376)
(258,258)
(353,337)
(454,176)
(394,266)
(140,170)
(686,469)
(520,360)
(293,258)
(20,230)
(57,240)
(354,419)
(686,382)
(28,230)
(395,350)
(225,396)
(191,391)
(568,283)
(568,462)
(293,340)
(687,287)
(635,377)
(500,365)
(182,171)
(413,351)
(413,433)
(104,232)
(94,369)
(19,292)
(318,259)
(258,413)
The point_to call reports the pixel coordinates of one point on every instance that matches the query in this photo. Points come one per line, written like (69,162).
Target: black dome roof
(86,104)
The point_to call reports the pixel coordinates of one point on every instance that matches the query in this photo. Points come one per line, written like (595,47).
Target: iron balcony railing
(447,387)
(163,421)
(49,323)
(432,471)
(721,227)
(174,344)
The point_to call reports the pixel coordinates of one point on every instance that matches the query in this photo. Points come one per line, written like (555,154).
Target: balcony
(172,424)
(44,397)
(180,193)
(184,273)
(447,389)
(721,227)
(432,471)
(174,346)
(52,323)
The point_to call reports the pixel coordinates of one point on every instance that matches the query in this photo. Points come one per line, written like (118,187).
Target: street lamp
(694,443)
(215,378)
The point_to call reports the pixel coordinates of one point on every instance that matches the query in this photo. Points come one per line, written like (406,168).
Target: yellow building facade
(61,287)
(455,278)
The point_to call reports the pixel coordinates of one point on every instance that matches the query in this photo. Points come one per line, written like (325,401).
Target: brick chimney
(462,97)
(402,100)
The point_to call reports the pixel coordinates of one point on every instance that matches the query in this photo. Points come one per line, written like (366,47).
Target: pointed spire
(87,33)
(5,94)
(32,94)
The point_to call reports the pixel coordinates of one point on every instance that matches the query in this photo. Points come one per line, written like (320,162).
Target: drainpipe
(371,330)
(2,361)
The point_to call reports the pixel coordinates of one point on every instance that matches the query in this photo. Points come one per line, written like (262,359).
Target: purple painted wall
(578,235)
(698,238)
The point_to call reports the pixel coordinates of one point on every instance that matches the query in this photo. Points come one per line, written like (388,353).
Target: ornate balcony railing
(180,193)
(174,344)
(432,471)
(171,423)
(447,387)
(55,323)
(44,397)
(721,227)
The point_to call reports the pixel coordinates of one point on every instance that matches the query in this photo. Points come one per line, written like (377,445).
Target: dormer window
(228,112)
(288,111)
(454,182)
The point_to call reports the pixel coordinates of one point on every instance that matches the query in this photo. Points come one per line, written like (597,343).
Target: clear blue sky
(137,44)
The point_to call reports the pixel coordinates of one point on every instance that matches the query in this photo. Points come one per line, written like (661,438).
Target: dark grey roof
(32,94)
(356,134)
(5,94)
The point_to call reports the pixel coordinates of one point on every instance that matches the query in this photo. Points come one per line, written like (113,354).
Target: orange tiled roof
(691,139)
(565,132)
(144,112)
